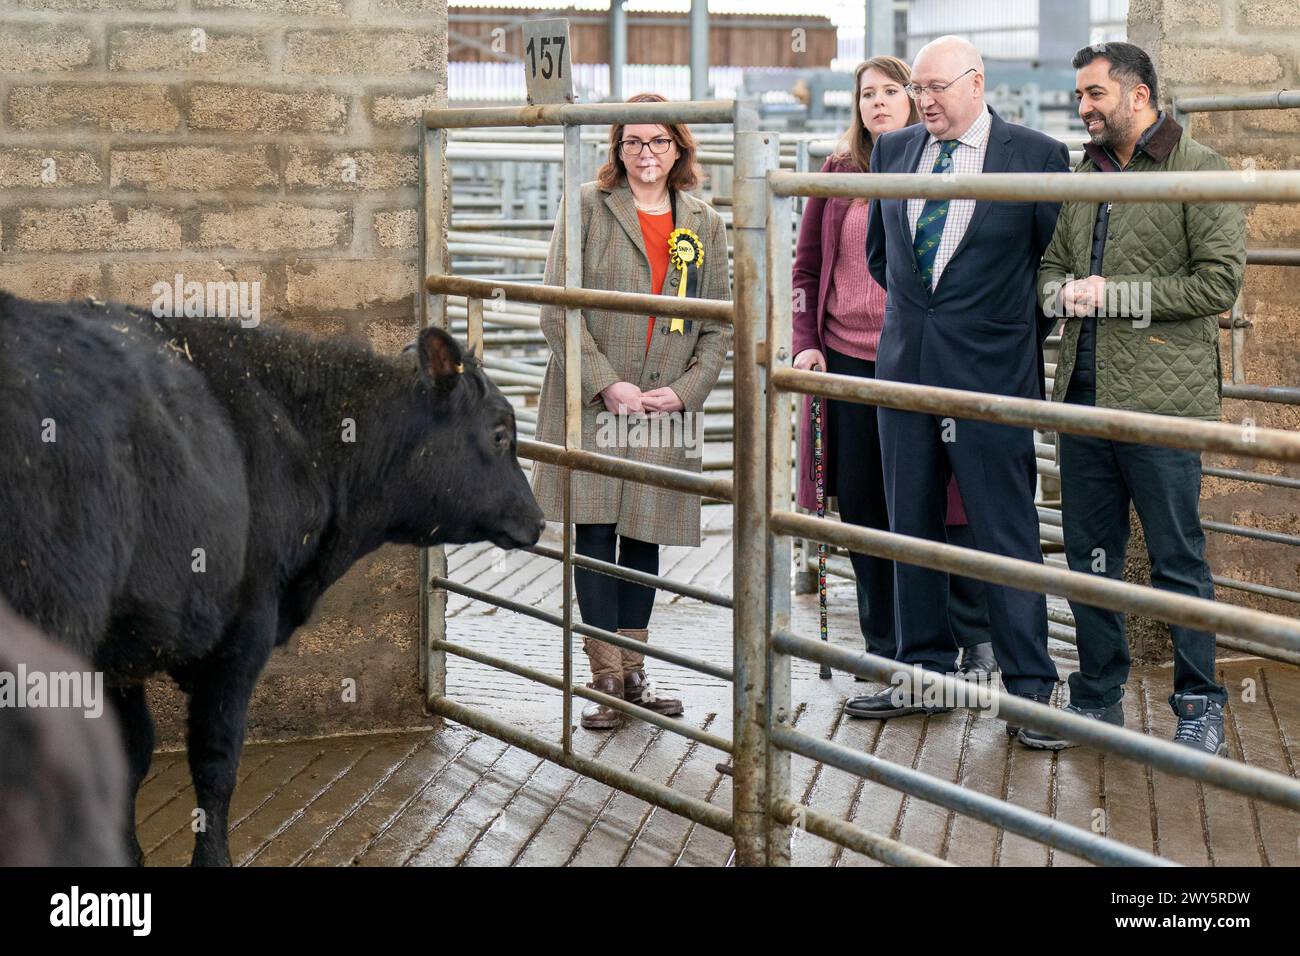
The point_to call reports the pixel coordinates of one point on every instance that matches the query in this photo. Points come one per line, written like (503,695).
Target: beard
(1114,128)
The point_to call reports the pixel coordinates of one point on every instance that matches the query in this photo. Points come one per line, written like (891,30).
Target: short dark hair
(1128,63)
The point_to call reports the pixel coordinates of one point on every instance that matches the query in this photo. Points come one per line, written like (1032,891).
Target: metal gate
(763,808)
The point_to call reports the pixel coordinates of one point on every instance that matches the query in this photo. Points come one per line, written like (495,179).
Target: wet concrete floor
(457,797)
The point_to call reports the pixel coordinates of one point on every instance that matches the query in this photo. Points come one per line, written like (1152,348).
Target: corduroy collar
(1157,141)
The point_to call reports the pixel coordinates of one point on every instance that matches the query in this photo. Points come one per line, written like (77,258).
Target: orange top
(655,230)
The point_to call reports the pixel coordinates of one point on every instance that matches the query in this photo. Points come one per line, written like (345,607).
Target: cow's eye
(501,437)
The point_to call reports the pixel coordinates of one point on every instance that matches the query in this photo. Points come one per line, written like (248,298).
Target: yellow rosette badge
(686,255)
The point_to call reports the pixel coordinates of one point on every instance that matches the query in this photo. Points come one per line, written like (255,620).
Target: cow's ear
(439,357)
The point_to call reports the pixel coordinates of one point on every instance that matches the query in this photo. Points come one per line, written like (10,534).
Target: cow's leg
(219,697)
(138,738)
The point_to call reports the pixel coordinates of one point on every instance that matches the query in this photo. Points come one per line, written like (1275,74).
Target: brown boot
(637,688)
(606,677)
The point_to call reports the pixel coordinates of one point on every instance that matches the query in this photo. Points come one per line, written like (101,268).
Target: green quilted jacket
(1173,266)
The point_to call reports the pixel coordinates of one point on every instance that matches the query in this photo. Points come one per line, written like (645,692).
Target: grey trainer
(1200,724)
(1044,740)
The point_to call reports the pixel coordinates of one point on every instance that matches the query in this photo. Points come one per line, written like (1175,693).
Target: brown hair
(685,174)
(856,143)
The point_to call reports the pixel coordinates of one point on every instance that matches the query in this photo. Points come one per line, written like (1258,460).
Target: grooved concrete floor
(456,797)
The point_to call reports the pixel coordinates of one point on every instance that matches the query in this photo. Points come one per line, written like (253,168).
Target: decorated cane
(819,476)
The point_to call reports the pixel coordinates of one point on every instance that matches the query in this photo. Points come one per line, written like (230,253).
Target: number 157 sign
(546,61)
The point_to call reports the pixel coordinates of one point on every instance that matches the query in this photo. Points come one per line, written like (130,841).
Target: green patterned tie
(929,227)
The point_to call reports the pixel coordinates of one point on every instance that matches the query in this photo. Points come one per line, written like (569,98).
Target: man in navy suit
(962,312)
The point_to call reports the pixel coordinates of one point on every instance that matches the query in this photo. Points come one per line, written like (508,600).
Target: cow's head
(463,477)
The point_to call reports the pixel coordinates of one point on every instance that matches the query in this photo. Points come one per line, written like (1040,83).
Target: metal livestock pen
(763,809)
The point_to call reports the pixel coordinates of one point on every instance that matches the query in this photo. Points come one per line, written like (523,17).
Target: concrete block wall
(267,141)
(1238,46)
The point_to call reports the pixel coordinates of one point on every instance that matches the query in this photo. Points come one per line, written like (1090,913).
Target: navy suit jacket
(981,328)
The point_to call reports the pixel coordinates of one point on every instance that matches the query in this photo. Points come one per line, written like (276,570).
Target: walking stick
(819,473)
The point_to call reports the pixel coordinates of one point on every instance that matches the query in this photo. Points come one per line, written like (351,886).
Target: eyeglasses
(633,147)
(934,89)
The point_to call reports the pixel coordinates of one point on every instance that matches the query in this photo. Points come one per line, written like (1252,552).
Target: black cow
(62,770)
(176,494)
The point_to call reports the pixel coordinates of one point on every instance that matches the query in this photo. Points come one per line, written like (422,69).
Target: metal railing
(763,810)
(1269,631)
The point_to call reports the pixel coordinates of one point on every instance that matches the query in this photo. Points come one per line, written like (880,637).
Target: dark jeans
(607,602)
(1099,478)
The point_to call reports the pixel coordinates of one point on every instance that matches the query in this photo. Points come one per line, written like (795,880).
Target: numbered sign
(546,61)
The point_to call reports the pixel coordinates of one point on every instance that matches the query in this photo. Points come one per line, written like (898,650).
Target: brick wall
(1223,46)
(268,141)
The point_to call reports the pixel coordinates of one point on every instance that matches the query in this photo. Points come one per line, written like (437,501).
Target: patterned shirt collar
(976,135)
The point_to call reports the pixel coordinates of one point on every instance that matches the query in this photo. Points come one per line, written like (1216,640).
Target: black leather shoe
(1044,740)
(977,662)
(1045,699)
(889,702)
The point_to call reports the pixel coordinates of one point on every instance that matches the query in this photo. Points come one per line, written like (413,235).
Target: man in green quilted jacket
(1140,286)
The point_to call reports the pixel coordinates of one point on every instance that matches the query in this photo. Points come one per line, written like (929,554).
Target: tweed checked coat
(614,350)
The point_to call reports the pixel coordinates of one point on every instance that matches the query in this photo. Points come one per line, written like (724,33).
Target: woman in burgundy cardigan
(839,312)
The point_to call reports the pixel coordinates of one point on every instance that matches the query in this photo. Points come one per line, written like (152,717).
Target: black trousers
(607,602)
(859,483)
(996,472)
(968,609)
(1099,479)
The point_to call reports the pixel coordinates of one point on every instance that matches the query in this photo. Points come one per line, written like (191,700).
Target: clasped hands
(1081,297)
(624,397)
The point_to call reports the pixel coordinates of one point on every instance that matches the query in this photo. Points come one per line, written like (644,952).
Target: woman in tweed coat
(641,366)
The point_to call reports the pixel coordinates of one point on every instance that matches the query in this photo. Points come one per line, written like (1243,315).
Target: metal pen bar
(511,225)
(1163,754)
(461,249)
(573,328)
(1277,100)
(1066,632)
(1110,423)
(854,837)
(1273,257)
(755,156)
(474,327)
(692,808)
(617,703)
(1278,394)
(609,637)
(1252,477)
(577,114)
(1267,186)
(625,303)
(780,439)
(971,803)
(706,595)
(1054,518)
(1255,534)
(431,562)
(1272,630)
(660,476)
